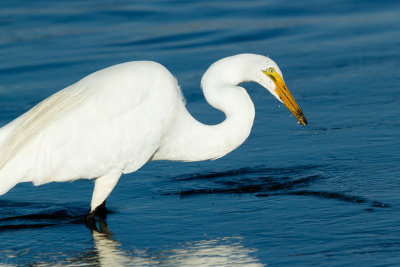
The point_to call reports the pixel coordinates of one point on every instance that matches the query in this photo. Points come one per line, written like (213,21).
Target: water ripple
(25,215)
(172,38)
(265,182)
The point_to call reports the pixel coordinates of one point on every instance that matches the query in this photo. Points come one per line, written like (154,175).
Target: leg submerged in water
(100,211)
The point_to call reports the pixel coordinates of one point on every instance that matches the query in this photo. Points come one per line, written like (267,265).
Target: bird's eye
(271,70)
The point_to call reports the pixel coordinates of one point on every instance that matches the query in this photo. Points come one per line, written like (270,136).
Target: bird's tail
(6,183)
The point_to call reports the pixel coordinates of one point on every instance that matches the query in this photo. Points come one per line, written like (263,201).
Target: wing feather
(39,118)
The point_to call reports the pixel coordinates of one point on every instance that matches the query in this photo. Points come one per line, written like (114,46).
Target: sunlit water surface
(326,194)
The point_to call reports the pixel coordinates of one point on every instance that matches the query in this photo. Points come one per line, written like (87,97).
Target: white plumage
(115,120)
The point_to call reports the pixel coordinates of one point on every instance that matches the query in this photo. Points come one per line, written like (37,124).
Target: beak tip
(302,120)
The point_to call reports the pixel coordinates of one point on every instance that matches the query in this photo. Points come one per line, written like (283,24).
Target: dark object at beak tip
(305,121)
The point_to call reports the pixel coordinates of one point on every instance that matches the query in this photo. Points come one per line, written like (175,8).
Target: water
(326,194)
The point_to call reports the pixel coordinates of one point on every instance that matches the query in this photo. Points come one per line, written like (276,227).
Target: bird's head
(270,76)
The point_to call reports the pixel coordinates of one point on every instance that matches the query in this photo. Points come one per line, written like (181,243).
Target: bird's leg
(100,211)
(91,222)
(102,188)
(90,216)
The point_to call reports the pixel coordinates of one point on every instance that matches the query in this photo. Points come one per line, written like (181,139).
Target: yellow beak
(283,92)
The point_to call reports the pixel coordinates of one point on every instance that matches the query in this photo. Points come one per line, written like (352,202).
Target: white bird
(115,120)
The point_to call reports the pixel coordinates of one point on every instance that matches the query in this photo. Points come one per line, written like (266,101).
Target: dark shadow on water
(24,215)
(334,196)
(258,170)
(265,182)
(242,187)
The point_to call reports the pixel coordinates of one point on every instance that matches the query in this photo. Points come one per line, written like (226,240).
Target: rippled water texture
(326,194)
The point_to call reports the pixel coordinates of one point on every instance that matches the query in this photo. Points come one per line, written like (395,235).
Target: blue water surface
(326,194)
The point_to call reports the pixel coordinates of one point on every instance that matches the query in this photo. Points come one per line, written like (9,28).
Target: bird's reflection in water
(228,251)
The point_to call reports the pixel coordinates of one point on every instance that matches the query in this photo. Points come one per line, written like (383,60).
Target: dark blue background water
(327,194)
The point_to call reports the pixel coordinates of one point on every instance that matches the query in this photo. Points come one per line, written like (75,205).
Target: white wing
(111,119)
(38,118)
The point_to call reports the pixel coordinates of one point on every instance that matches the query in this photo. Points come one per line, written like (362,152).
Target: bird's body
(115,120)
(92,126)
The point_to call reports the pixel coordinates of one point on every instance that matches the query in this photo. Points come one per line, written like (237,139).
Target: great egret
(115,120)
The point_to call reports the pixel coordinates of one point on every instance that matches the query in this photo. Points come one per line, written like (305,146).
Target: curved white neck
(190,140)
